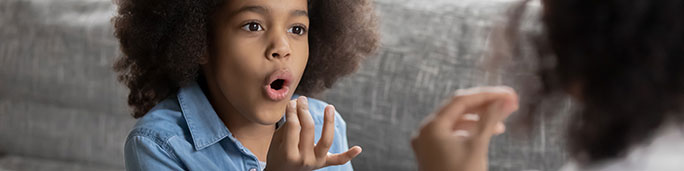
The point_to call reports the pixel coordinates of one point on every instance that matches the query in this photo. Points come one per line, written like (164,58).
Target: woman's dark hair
(623,63)
(163,43)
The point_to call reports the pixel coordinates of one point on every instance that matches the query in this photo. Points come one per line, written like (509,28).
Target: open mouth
(278,85)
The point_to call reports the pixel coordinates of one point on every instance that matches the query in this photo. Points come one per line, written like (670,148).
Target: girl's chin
(269,117)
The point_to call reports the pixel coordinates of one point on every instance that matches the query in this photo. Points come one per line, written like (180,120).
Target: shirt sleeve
(143,154)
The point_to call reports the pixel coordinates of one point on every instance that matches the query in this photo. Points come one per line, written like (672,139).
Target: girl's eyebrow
(257,9)
(297,13)
(263,11)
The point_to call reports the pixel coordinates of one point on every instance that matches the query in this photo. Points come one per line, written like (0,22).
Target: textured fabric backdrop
(62,109)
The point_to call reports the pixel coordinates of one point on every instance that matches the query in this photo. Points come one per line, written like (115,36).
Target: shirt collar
(206,128)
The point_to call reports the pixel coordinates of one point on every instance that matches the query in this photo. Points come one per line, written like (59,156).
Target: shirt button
(252,169)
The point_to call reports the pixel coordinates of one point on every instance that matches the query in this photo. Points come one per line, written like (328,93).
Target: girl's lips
(277,85)
(276,95)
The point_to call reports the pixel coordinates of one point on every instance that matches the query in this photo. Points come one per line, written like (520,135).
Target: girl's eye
(298,30)
(252,26)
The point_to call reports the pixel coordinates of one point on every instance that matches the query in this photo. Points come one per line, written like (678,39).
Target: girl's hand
(292,147)
(456,138)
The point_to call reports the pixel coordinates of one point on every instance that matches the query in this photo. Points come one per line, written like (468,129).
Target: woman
(621,61)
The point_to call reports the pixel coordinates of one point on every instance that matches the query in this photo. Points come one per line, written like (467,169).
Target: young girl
(211,81)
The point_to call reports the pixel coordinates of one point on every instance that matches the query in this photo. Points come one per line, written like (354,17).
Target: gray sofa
(62,109)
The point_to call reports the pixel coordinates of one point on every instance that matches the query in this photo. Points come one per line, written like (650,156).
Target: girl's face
(259,53)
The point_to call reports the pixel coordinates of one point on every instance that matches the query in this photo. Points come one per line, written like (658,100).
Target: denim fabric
(185,133)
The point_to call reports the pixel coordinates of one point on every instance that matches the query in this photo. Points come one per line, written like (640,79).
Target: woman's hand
(292,147)
(456,138)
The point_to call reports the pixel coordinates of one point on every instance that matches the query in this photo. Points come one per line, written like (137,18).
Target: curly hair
(163,43)
(626,56)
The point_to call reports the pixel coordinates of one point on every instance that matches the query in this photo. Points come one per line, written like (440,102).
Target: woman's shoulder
(664,152)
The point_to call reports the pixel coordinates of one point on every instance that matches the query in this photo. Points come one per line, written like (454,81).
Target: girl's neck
(254,136)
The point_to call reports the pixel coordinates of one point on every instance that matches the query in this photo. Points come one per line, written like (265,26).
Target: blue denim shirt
(185,133)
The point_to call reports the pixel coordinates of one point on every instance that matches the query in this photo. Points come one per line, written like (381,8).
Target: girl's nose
(279,48)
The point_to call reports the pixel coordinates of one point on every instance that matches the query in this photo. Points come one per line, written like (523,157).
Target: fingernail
(293,104)
(459,92)
(471,117)
(331,109)
(461,133)
(303,99)
(330,112)
(357,146)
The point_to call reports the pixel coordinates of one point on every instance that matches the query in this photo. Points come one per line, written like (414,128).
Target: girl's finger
(291,128)
(327,134)
(306,137)
(342,158)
